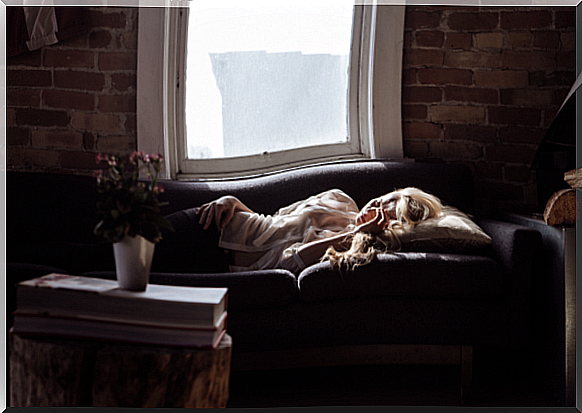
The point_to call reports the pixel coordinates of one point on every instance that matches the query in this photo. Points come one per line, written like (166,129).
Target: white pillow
(454,231)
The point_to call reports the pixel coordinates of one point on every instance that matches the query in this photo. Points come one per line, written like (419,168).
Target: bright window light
(266,79)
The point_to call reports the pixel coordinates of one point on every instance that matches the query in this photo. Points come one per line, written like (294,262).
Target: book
(36,324)
(103,300)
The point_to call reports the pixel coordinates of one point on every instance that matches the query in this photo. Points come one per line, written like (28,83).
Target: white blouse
(280,235)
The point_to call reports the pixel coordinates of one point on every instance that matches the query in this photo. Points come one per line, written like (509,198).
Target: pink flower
(100,157)
(134,157)
(158,189)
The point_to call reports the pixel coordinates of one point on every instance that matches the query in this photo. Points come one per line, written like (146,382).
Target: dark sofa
(417,300)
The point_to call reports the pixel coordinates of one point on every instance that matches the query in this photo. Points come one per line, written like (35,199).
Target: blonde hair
(413,207)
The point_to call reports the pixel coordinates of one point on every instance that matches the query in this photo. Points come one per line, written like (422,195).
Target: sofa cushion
(411,274)
(454,231)
(246,290)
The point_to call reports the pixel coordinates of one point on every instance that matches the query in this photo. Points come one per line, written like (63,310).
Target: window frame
(374,111)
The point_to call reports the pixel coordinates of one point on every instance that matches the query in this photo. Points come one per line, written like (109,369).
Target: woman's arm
(221,210)
(312,252)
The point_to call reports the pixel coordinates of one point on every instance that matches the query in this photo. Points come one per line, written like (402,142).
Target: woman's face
(386,202)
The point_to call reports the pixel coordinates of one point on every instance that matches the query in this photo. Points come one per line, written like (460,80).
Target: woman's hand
(374,222)
(221,211)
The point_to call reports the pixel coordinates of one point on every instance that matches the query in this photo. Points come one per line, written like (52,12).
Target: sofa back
(362,180)
(42,207)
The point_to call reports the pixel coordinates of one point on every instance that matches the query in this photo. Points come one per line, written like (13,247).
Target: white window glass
(264,80)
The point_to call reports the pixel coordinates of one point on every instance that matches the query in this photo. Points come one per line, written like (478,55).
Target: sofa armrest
(513,247)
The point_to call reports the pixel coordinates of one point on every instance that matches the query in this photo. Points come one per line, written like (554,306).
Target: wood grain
(69,373)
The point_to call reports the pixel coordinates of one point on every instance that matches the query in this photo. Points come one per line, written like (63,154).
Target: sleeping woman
(327,226)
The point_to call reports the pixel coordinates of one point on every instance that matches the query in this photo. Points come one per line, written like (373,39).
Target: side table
(555,288)
(84,373)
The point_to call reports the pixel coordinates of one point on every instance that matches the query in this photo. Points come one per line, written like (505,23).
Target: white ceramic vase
(133,260)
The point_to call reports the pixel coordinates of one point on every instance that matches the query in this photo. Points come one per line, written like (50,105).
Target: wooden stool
(64,373)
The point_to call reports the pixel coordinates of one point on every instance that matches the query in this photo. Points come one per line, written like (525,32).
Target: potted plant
(130,210)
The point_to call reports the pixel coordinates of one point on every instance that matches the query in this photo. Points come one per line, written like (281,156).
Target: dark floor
(499,380)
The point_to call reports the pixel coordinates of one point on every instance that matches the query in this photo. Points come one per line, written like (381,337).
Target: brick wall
(71,100)
(480,86)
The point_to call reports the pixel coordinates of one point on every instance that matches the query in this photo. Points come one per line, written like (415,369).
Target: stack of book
(82,307)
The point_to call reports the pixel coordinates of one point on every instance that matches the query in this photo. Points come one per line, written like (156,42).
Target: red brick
(455,150)
(409,76)
(415,149)
(471,94)
(553,78)
(421,19)
(89,141)
(492,40)
(129,40)
(520,38)
(423,57)
(99,39)
(17,136)
(10,117)
(117,20)
(130,123)
(516,134)
(504,115)
(23,97)
(472,59)
(407,42)
(35,78)
(430,38)
(421,130)
(509,153)
(68,79)
(546,39)
(454,113)
(41,117)
(31,59)
(568,40)
(458,41)
(28,158)
(415,94)
(117,103)
(566,60)
(566,18)
(44,138)
(68,100)
(517,173)
(414,112)
(78,160)
(528,59)
(535,19)
(445,76)
(526,97)
(118,61)
(501,78)
(69,58)
(123,82)
(117,144)
(473,21)
(476,133)
(95,122)
(488,170)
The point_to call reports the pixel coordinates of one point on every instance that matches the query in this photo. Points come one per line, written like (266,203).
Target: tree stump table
(50,372)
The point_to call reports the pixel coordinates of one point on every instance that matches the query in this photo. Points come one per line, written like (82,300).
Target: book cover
(99,298)
(34,324)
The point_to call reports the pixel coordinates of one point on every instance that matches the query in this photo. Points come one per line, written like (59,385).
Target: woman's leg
(190,248)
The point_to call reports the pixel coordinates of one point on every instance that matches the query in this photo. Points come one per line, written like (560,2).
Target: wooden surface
(561,208)
(69,373)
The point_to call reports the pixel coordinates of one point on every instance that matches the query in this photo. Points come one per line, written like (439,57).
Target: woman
(325,226)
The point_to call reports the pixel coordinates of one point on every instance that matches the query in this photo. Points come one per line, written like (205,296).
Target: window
(240,106)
